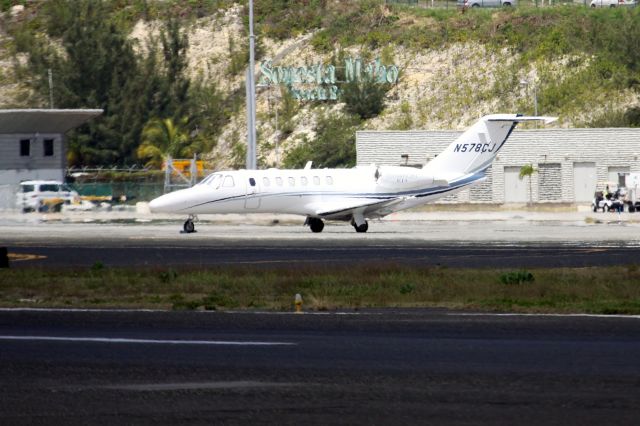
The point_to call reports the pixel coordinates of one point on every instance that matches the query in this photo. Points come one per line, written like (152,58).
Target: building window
(618,176)
(48,147)
(25,147)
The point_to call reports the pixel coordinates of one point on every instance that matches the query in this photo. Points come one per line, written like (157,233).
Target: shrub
(407,288)
(364,98)
(516,277)
(97,266)
(168,276)
(334,145)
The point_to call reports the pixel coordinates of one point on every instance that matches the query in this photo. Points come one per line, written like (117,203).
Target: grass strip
(609,290)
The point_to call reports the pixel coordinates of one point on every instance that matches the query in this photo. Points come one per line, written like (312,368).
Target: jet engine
(399,178)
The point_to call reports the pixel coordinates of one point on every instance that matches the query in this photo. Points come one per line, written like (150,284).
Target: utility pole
(50,88)
(251,97)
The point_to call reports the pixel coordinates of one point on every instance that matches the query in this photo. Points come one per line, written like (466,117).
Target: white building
(33,146)
(572,163)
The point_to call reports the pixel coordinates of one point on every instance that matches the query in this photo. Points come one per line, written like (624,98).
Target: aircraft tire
(188,226)
(316,225)
(362,228)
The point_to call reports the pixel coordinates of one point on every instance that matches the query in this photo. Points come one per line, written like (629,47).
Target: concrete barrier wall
(8,197)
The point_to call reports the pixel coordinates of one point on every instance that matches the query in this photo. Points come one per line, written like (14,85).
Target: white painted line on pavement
(145,341)
(494,314)
(319,313)
(97,310)
(80,310)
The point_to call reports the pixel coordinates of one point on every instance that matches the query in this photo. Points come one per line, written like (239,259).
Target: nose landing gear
(188,226)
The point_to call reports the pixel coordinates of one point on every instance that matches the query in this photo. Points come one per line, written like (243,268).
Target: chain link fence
(453,4)
(127,192)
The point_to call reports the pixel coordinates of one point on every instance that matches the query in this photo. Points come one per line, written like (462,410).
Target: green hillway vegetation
(153,107)
(609,290)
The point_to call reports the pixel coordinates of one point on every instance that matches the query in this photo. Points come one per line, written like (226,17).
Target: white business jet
(353,195)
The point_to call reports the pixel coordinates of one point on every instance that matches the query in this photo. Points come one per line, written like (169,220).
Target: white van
(33,193)
(486,3)
(612,3)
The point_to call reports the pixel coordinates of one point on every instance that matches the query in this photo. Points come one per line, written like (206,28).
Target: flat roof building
(571,163)
(33,145)
(32,142)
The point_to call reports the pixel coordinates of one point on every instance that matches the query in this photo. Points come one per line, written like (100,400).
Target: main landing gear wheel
(316,225)
(361,228)
(188,226)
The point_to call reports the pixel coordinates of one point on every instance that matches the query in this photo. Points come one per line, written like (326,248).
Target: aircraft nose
(164,204)
(155,205)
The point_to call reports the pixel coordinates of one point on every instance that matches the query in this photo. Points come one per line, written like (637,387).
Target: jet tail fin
(474,150)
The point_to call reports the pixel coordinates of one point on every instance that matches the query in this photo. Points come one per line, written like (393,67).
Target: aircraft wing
(347,207)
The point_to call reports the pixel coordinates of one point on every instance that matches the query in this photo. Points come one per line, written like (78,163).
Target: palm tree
(162,138)
(528,170)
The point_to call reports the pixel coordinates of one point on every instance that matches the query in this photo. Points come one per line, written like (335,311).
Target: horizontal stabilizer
(545,119)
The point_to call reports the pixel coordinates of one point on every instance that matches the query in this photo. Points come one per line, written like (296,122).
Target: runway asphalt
(274,255)
(458,239)
(365,367)
(369,367)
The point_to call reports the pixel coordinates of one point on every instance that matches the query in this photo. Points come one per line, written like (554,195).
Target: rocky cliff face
(444,88)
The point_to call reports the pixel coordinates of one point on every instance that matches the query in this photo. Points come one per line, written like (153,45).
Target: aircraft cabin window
(316,180)
(329,180)
(228,182)
(304,181)
(252,182)
(292,181)
(265,181)
(279,181)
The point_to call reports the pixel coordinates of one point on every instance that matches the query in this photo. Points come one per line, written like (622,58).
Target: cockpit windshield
(213,180)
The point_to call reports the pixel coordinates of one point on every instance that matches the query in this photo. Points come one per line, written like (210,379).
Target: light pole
(251,97)
(526,83)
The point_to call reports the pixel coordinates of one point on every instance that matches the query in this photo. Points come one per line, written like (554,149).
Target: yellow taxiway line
(19,257)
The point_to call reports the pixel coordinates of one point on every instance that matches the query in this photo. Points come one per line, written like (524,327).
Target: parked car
(486,3)
(612,3)
(34,195)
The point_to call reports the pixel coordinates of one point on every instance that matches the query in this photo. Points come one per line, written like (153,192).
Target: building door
(584,181)
(515,189)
